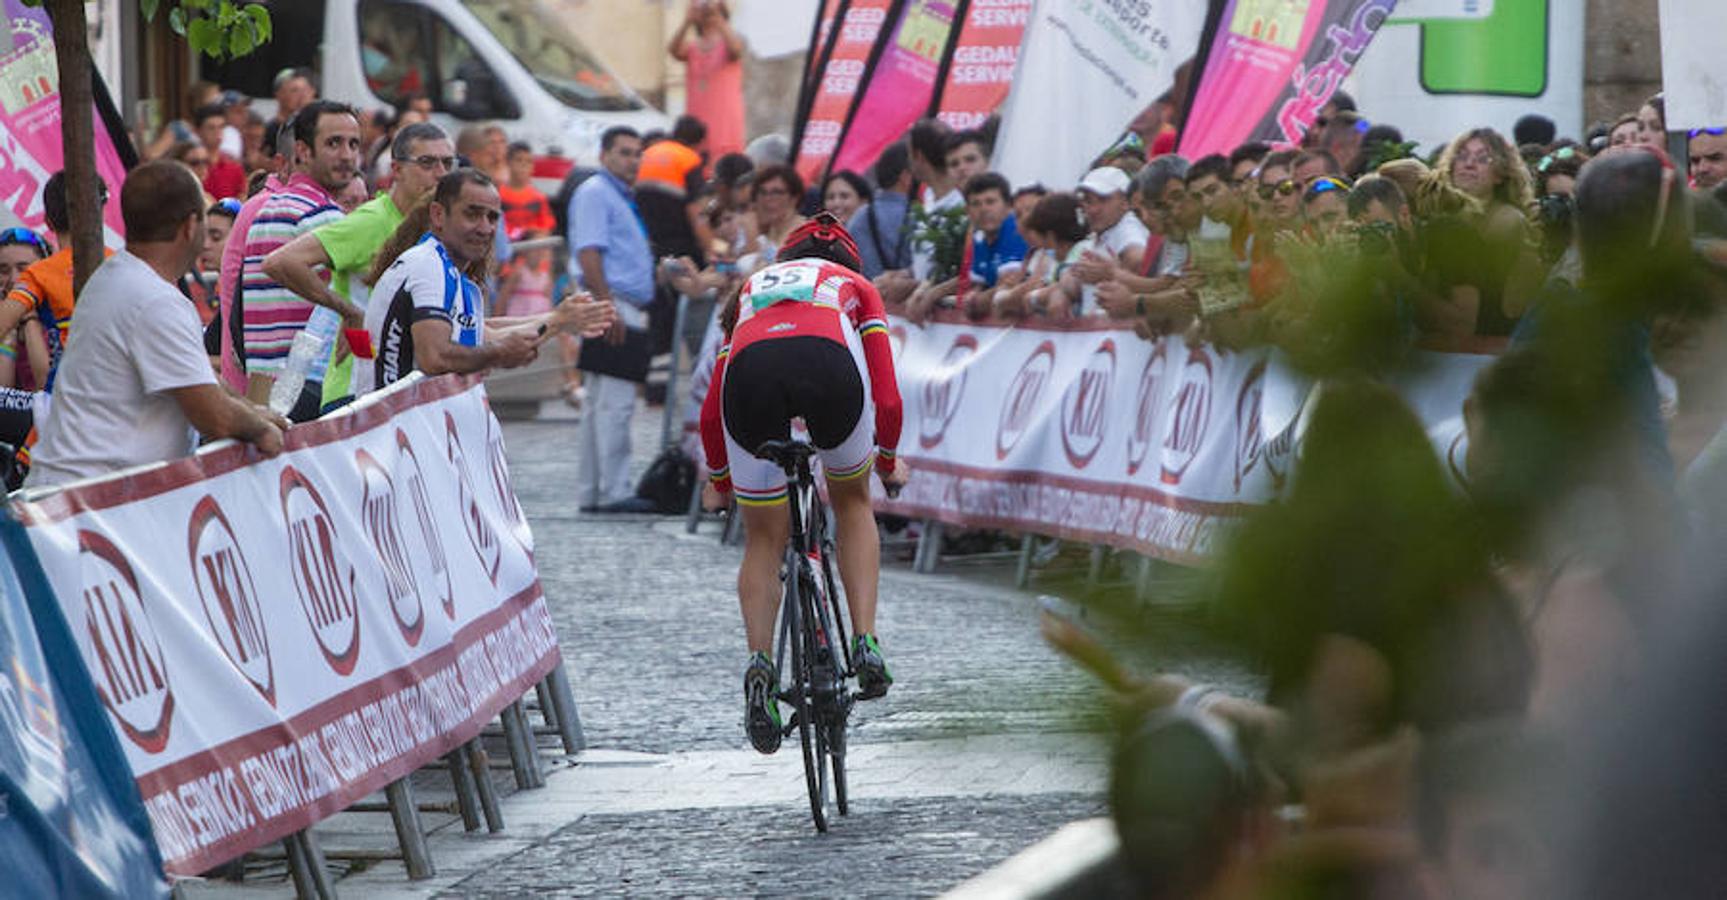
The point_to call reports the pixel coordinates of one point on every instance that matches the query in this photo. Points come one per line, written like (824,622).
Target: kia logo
(1023,391)
(480,532)
(1189,417)
(942,393)
(379,511)
(1249,442)
(434,567)
(322,575)
(1147,409)
(1085,407)
(230,596)
(130,671)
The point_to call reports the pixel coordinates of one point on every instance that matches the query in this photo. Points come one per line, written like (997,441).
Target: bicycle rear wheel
(796,634)
(832,699)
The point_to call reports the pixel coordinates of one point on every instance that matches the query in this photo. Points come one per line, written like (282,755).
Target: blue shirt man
(881,234)
(993,255)
(612,260)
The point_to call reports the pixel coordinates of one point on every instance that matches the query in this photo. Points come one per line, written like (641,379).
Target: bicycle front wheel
(796,622)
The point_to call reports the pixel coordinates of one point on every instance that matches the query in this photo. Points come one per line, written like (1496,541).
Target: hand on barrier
(893,478)
(712,499)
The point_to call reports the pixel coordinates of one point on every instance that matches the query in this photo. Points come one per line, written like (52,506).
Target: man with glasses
(1708,150)
(420,154)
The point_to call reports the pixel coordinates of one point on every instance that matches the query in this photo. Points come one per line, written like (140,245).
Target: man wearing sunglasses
(420,154)
(1708,150)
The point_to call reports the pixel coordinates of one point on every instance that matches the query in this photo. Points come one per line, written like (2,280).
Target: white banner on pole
(1092,434)
(275,639)
(1086,69)
(1693,69)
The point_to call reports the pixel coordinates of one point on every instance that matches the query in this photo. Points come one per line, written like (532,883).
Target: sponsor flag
(1085,71)
(980,69)
(821,30)
(837,81)
(71,824)
(1270,67)
(901,83)
(30,145)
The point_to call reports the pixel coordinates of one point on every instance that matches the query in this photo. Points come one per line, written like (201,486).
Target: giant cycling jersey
(807,298)
(422,284)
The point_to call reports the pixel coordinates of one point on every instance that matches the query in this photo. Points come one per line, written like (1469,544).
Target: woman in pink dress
(714,82)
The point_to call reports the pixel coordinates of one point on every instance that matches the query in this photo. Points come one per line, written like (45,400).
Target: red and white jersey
(809,298)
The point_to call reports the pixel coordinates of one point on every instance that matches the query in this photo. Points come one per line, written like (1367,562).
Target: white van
(506,61)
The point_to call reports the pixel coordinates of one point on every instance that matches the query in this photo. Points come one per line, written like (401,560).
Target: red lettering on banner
(230,596)
(943,392)
(379,511)
(1189,417)
(322,576)
(1018,412)
(480,532)
(1085,409)
(132,673)
(1147,410)
(435,565)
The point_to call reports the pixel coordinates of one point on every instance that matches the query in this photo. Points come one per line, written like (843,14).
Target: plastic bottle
(307,360)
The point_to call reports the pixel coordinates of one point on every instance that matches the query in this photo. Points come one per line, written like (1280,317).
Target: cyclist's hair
(1380,188)
(307,119)
(450,186)
(1254,150)
(1216,165)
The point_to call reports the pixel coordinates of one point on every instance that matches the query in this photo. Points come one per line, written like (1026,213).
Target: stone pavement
(988,742)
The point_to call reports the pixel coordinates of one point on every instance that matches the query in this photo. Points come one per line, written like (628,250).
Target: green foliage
(220,29)
(944,233)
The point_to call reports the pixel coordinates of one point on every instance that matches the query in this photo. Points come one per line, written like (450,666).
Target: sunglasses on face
(1283,188)
(429,162)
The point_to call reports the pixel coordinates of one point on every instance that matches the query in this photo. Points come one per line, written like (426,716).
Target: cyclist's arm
(713,429)
(871,322)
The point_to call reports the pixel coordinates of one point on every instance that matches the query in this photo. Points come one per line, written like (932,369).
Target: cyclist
(806,338)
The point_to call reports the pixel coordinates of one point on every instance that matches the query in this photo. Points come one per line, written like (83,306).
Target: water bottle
(307,360)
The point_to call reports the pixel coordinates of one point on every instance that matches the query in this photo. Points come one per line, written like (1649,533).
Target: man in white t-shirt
(1103,196)
(135,386)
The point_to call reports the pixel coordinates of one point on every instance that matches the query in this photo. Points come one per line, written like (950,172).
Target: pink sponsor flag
(900,85)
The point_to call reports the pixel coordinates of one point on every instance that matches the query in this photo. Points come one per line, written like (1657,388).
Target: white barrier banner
(1092,434)
(275,639)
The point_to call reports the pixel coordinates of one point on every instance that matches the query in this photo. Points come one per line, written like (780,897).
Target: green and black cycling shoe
(762,705)
(873,675)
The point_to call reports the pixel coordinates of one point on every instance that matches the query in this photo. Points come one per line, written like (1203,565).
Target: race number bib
(796,281)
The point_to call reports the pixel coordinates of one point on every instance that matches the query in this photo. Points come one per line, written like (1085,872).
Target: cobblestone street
(987,743)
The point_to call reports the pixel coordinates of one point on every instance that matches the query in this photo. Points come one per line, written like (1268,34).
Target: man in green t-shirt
(420,154)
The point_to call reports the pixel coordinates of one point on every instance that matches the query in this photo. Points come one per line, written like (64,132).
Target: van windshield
(555,57)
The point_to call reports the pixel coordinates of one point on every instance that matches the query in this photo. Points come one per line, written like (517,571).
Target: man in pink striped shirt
(327,158)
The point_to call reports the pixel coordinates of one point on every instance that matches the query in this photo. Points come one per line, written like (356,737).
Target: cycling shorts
(769,383)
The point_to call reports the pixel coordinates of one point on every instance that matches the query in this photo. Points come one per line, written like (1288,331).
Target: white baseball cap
(1105,180)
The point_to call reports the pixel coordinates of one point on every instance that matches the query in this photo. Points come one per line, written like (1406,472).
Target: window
(297,30)
(407,49)
(556,58)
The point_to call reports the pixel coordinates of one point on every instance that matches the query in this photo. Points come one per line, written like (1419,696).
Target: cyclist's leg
(754,413)
(766,530)
(858,547)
